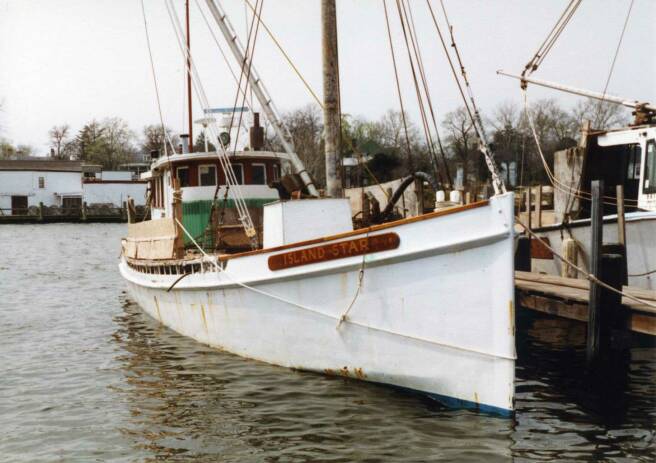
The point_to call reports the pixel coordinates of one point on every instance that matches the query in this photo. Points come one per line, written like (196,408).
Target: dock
(568,298)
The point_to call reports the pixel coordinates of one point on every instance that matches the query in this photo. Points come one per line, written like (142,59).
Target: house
(27,182)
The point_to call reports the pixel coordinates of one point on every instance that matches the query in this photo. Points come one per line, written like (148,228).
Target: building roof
(51,165)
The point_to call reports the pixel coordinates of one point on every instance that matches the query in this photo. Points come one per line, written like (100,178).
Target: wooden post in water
(84,211)
(621,224)
(40,212)
(594,267)
(621,230)
(131,210)
(124,212)
(528,207)
(538,205)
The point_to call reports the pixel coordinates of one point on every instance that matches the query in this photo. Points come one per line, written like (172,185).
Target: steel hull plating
(434,315)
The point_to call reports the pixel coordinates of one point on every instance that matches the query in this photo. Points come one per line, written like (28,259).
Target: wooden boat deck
(568,298)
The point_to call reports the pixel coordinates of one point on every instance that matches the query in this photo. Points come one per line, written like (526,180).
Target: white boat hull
(434,315)
(640,241)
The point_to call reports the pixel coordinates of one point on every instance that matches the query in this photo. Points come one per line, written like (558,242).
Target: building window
(238,169)
(258,174)
(276,172)
(42,182)
(182,173)
(207,175)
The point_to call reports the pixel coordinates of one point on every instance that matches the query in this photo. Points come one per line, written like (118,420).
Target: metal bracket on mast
(261,94)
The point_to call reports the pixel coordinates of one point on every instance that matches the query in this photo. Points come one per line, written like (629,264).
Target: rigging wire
(497,182)
(223,55)
(242,209)
(165,137)
(551,39)
(422,111)
(612,66)
(396,76)
(248,58)
(413,30)
(314,95)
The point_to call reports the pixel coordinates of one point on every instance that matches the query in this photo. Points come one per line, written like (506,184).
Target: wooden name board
(332,251)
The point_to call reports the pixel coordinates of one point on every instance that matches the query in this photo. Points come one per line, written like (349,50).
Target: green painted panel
(196,215)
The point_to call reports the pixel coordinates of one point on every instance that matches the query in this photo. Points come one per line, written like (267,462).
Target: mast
(263,97)
(331,116)
(190,121)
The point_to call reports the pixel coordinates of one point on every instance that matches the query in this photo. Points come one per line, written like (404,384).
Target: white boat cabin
(618,157)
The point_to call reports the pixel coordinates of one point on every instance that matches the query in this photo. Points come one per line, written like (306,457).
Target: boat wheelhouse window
(182,173)
(634,156)
(649,187)
(238,169)
(207,175)
(258,174)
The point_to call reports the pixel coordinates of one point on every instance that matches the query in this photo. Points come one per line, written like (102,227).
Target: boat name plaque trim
(332,251)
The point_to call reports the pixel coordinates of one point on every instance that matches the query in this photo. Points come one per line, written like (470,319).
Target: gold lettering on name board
(332,251)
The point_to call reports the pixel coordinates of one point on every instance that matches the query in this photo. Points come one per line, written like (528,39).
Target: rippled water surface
(86,376)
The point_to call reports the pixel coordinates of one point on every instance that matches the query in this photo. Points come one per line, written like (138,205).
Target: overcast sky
(69,61)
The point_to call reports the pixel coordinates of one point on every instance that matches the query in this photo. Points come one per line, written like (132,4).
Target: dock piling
(594,302)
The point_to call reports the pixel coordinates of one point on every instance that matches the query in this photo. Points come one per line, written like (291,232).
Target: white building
(114,187)
(26,183)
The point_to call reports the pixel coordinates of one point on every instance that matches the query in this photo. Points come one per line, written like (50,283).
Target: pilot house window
(238,169)
(182,173)
(258,174)
(207,175)
(650,169)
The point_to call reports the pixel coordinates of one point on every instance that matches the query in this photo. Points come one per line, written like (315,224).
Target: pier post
(594,267)
(40,212)
(523,254)
(621,224)
(124,212)
(538,205)
(84,211)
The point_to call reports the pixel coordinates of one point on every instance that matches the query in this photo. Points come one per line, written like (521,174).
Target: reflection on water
(190,400)
(85,375)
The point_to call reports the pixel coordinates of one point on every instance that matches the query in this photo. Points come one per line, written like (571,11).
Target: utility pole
(331,110)
(191,126)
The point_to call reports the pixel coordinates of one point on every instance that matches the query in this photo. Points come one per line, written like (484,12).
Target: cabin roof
(50,165)
(213,156)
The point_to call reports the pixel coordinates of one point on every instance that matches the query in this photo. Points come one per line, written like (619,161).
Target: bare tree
(155,137)
(601,114)
(306,129)
(59,138)
(461,139)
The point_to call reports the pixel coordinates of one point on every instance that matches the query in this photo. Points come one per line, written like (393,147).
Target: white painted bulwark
(293,221)
(435,314)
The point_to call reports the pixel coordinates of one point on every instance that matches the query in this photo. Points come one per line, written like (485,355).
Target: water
(86,376)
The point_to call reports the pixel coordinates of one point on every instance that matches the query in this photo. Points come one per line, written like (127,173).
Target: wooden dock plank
(568,298)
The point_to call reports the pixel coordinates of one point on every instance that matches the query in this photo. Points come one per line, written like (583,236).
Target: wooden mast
(190,118)
(331,111)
